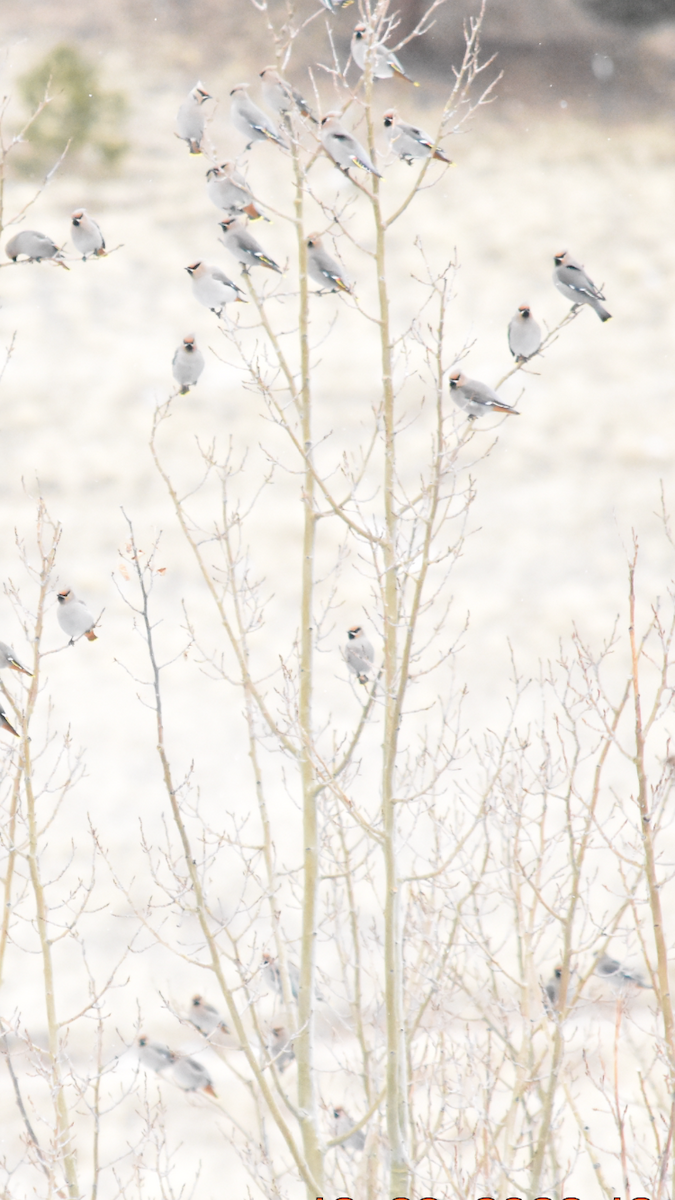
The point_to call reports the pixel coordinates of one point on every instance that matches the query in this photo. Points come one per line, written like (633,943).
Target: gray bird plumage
(74,616)
(524,334)
(476,398)
(187,364)
(242,244)
(190,1075)
(409,141)
(87,236)
(384,62)
(212,287)
(323,269)
(9,659)
(153,1055)
(206,1018)
(250,120)
(281,97)
(342,1123)
(343,147)
(359,654)
(228,190)
(35,246)
(572,281)
(608,968)
(191,118)
(280,1048)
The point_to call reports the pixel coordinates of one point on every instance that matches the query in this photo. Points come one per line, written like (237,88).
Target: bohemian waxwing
(212,287)
(250,120)
(35,246)
(384,62)
(87,237)
(408,141)
(342,1123)
(191,120)
(153,1056)
(476,398)
(524,334)
(552,988)
(359,653)
(323,269)
(334,5)
(187,364)
(9,659)
(227,189)
(4,723)
(273,975)
(280,1048)
(74,617)
(281,97)
(342,147)
(207,1018)
(242,244)
(609,968)
(570,278)
(190,1075)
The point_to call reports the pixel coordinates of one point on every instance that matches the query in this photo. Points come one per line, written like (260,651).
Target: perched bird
(342,147)
(552,988)
(359,653)
(35,246)
(206,1017)
(281,97)
(476,398)
(87,237)
(4,723)
(242,244)
(322,268)
(9,659)
(609,968)
(212,287)
(342,1123)
(190,120)
(384,61)
(524,334)
(250,120)
(273,975)
(280,1048)
(190,1075)
(409,142)
(570,278)
(154,1056)
(74,616)
(227,189)
(187,364)
(333,5)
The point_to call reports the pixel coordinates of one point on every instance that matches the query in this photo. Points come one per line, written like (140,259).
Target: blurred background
(577,152)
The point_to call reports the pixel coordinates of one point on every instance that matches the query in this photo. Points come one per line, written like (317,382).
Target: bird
(342,146)
(154,1056)
(187,364)
(332,5)
(322,268)
(227,189)
(35,246)
(273,975)
(9,659)
(570,278)
(207,1018)
(250,120)
(552,988)
(409,142)
(476,398)
(212,287)
(280,1048)
(87,237)
(342,1124)
(74,616)
(359,653)
(4,723)
(190,1075)
(609,968)
(524,334)
(282,97)
(242,244)
(190,120)
(384,61)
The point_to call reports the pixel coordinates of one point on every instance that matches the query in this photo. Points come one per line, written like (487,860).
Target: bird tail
(602,312)
(90,635)
(16,666)
(398,69)
(209,1091)
(363,679)
(4,724)
(505,409)
(344,287)
(365,166)
(438,153)
(195,147)
(252,212)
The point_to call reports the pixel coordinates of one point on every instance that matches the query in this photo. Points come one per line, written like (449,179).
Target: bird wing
(577,279)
